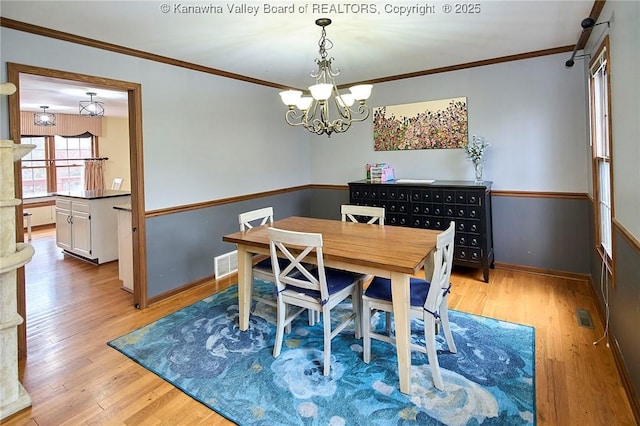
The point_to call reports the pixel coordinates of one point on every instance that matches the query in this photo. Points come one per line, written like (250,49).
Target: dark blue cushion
(380,288)
(266,264)
(336,281)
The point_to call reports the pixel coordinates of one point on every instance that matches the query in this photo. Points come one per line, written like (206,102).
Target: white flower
(475,148)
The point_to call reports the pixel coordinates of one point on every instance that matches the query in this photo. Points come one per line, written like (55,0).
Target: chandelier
(44,118)
(91,108)
(314,112)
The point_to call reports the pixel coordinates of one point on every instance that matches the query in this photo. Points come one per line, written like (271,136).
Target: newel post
(13,255)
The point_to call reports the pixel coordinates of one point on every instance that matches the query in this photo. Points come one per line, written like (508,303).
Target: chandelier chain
(323,44)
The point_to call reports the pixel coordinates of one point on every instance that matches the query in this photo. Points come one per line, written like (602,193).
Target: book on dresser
(432,205)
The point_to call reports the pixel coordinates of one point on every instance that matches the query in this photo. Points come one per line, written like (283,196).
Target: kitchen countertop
(92,195)
(124,207)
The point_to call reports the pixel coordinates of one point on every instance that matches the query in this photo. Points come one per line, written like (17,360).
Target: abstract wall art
(438,124)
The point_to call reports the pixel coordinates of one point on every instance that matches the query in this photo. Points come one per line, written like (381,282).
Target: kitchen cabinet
(73,226)
(86,224)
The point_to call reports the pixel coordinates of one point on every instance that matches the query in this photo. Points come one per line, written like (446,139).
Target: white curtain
(94,175)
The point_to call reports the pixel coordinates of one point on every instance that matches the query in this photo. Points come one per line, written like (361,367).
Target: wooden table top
(390,248)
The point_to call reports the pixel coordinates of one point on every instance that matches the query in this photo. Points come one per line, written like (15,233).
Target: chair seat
(380,288)
(267,266)
(336,280)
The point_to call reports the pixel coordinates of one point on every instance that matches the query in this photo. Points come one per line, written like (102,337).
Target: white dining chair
(428,301)
(365,214)
(27,217)
(117,183)
(262,269)
(318,289)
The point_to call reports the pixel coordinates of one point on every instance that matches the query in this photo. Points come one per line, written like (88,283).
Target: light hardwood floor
(75,308)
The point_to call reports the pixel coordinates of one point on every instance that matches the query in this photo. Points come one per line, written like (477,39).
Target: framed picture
(439,124)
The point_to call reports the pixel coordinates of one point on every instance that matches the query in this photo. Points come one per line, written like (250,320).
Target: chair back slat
(257,217)
(369,214)
(296,266)
(442,264)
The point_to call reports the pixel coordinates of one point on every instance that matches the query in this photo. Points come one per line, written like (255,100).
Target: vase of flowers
(475,149)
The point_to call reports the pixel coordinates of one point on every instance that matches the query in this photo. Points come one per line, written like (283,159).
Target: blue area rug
(200,350)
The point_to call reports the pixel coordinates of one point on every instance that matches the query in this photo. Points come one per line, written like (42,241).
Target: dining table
(393,252)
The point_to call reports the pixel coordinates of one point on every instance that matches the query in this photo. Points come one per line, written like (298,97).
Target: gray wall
(546,233)
(181,246)
(325,203)
(623,302)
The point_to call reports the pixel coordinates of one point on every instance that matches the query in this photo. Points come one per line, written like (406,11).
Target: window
(599,85)
(56,164)
(34,168)
(69,153)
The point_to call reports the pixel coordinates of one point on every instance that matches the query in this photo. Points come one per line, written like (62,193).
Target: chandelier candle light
(313,112)
(475,149)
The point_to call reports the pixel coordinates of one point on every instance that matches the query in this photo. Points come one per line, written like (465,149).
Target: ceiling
(277,41)
(63,96)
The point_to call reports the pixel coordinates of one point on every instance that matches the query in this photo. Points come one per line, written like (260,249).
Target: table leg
(245,263)
(402,316)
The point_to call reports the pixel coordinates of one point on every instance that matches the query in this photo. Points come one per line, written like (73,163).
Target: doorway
(134,95)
